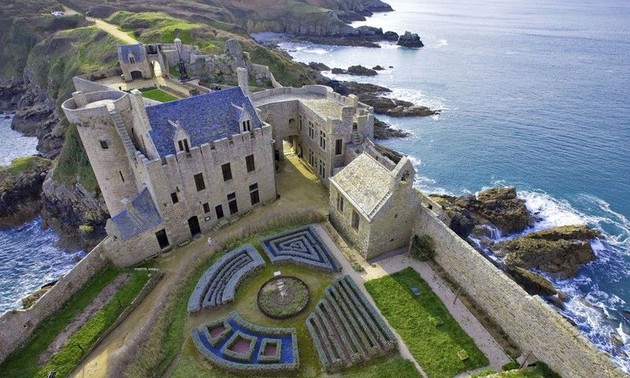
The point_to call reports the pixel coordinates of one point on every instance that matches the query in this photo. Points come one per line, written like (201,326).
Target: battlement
(83,106)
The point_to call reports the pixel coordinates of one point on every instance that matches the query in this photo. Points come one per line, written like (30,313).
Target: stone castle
(170,171)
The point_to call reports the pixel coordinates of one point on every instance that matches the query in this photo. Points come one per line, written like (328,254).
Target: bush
(423,248)
(510,366)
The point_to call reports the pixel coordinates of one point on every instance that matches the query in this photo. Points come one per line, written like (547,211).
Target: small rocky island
(559,251)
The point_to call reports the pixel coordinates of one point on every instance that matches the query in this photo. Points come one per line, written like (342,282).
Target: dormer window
(183,145)
(247,126)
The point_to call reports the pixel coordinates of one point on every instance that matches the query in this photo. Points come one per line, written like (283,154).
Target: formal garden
(271,306)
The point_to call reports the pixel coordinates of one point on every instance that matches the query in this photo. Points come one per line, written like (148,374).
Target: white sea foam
(418,97)
(14,144)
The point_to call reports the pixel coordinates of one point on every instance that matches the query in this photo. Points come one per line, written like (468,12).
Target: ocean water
(533,94)
(28,255)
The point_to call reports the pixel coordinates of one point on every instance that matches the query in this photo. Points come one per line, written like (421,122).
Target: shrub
(511,366)
(423,248)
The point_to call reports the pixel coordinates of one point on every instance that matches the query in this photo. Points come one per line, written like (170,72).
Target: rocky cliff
(20,189)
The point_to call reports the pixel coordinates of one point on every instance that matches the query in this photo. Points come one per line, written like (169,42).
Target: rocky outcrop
(559,250)
(20,188)
(383,130)
(357,70)
(35,115)
(76,213)
(498,207)
(410,40)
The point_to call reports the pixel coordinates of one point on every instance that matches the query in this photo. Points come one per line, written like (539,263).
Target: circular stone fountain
(283,297)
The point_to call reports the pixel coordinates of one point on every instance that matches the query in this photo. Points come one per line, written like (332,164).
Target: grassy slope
(9,174)
(24,362)
(414,317)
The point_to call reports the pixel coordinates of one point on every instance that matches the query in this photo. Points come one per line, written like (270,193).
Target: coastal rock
(378,68)
(78,214)
(533,283)
(318,66)
(410,40)
(560,250)
(383,130)
(357,70)
(462,223)
(497,207)
(20,188)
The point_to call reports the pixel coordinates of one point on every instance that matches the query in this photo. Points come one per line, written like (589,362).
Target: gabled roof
(136,50)
(140,217)
(205,118)
(366,183)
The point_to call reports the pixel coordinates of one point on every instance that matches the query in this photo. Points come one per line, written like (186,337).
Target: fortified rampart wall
(16,326)
(528,320)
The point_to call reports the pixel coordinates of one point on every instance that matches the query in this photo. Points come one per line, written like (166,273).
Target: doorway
(162,238)
(193,224)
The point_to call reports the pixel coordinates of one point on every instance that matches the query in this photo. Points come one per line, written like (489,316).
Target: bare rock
(410,40)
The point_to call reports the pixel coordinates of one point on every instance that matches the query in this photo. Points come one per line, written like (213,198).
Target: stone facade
(323,128)
(372,203)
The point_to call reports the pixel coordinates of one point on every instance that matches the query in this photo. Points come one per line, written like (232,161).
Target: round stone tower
(100,118)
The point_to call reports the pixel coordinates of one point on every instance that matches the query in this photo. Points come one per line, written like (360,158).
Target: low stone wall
(16,326)
(528,320)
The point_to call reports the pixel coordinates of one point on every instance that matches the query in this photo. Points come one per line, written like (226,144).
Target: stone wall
(528,320)
(16,326)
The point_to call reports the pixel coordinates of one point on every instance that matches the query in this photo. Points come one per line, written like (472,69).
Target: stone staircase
(130,149)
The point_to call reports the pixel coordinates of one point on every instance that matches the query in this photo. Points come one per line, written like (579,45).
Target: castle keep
(170,171)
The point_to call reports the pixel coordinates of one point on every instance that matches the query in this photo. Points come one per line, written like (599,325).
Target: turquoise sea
(533,94)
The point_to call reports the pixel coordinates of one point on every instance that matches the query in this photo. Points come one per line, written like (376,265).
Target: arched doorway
(193,224)
(136,75)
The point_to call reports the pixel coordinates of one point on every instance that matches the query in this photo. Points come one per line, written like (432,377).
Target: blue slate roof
(205,118)
(142,217)
(137,50)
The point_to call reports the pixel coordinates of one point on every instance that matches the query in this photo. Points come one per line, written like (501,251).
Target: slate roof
(366,183)
(137,50)
(205,118)
(142,216)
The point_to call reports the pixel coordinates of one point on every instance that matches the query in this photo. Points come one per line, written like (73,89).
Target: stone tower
(101,118)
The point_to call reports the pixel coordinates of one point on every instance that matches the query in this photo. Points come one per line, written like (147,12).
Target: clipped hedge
(248,362)
(217,286)
(346,329)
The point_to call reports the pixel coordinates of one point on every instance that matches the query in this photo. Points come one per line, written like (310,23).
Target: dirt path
(97,303)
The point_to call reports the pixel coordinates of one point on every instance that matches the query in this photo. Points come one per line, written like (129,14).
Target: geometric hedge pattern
(237,345)
(346,329)
(301,246)
(218,284)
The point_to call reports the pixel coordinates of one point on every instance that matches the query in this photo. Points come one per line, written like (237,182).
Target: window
(253,194)
(183,145)
(104,144)
(338,146)
(174,198)
(232,203)
(311,131)
(339,203)
(311,159)
(219,210)
(121,176)
(201,185)
(322,139)
(322,168)
(249,161)
(300,123)
(247,126)
(227,171)
(355,220)
(132,59)
(206,207)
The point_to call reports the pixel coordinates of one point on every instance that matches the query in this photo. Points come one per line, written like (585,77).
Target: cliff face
(20,188)
(76,213)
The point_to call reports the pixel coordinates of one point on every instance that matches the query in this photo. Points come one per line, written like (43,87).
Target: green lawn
(424,323)
(24,362)
(159,95)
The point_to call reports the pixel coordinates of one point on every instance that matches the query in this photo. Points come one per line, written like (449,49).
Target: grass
(73,164)
(10,174)
(539,371)
(159,95)
(154,27)
(424,323)
(25,362)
